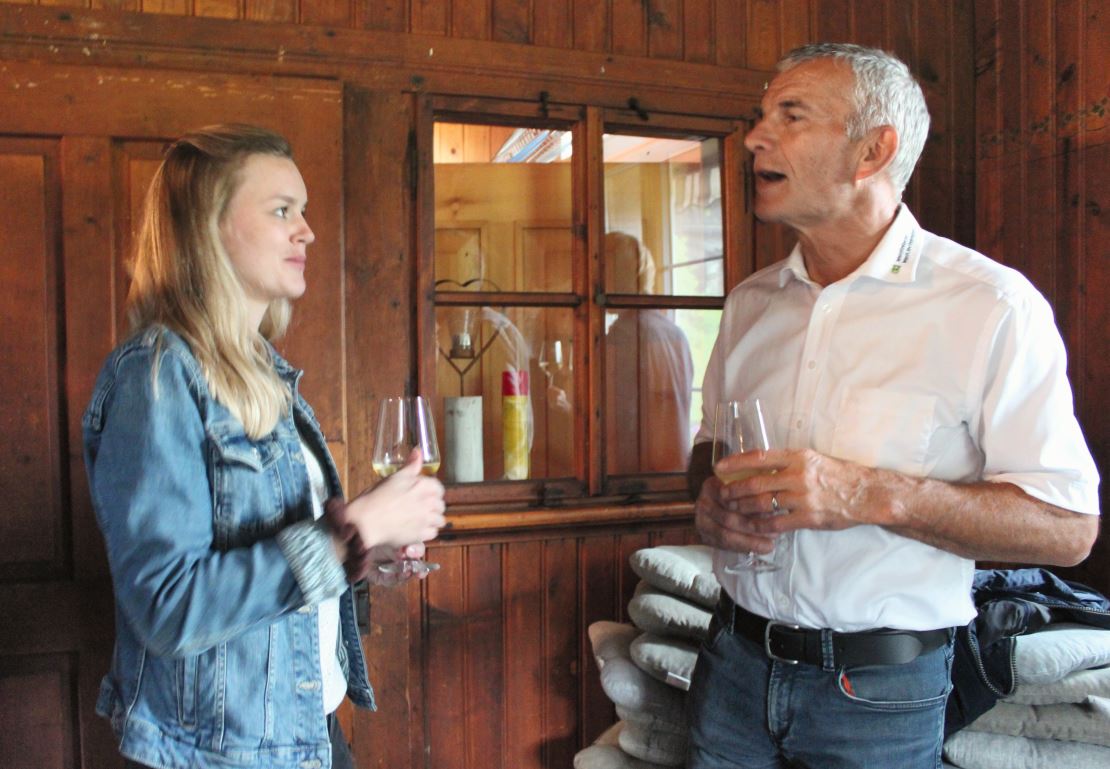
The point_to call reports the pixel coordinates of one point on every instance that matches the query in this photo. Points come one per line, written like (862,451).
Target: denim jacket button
(304,610)
(308,686)
(313,764)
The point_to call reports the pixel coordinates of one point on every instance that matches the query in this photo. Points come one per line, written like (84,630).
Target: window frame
(587,299)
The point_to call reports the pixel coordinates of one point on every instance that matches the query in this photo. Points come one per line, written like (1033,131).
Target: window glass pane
(505,380)
(654,363)
(663,216)
(502,208)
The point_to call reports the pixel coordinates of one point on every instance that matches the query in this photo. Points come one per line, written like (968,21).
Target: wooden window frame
(590,487)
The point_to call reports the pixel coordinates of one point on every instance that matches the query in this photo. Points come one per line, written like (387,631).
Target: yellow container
(515,428)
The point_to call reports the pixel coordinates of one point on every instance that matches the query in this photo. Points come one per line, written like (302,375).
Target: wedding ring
(774,504)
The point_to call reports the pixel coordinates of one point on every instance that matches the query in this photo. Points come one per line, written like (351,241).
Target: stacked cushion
(1058,714)
(646,666)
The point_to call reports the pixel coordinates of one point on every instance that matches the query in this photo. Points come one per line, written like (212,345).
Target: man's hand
(804,489)
(980,521)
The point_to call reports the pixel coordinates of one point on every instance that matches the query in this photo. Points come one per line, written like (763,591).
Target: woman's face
(265,233)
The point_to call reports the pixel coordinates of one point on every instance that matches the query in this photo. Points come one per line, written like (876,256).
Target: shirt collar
(894,259)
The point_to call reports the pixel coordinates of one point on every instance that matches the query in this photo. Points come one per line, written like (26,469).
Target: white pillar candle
(463,430)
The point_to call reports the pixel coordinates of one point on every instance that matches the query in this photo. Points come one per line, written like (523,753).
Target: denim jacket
(217,566)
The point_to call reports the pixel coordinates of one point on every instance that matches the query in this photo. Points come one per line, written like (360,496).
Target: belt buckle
(767,641)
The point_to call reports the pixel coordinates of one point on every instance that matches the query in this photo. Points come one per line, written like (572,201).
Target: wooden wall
(486,663)
(1042,160)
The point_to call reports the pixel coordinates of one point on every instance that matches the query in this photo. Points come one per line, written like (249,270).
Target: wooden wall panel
(512,21)
(385,15)
(1041,100)
(77,184)
(506,634)
(36,696)
(665,29)
(551,24)
(32,473)
(470,19)
(498,613)
(630,32)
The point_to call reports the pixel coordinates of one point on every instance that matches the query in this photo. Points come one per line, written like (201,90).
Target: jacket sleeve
(145,455)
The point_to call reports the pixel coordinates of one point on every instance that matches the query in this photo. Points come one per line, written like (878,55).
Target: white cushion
(628,686)
(1086,722)
(669,660)
(622,681)
(609,757)
(610,639)
(685,571)
(981,750)
(1050,655)
(655,745)
(674,723)
(656,611)
(1074,687)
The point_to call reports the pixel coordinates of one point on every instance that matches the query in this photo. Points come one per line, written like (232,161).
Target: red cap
(514,382)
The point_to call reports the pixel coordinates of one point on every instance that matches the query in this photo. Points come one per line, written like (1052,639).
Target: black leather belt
(793,644)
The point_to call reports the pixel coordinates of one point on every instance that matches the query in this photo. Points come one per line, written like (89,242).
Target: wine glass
(551,359)
(405,424)
(738,426)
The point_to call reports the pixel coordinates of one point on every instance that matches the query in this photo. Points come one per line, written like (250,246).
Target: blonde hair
(182,276)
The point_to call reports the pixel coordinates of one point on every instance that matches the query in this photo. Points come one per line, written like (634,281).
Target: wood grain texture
(1041,98)
(1016,164)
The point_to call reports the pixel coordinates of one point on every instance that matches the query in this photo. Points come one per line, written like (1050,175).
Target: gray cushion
(609,757)
(1079,722)
(655,745)
(675,723)
(1050,655)
(669,660)
(1074,687)
(662,613)
(981,750)
(684,570)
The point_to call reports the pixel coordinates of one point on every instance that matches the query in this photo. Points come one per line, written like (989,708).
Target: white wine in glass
(405,424)
(738,426)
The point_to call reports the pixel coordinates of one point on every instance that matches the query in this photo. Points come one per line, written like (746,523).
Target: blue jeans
(747,710)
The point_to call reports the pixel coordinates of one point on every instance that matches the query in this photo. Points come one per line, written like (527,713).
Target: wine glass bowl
(739,427)
(404,424)
(551,359)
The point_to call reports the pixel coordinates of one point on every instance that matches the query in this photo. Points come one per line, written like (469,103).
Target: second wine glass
(405,424)
(738,426)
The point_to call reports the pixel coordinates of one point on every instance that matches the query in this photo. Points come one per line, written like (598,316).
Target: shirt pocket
(885,429)
(247,489)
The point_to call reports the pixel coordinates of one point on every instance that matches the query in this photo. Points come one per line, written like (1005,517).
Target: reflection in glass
(649,371)
(512,341)
(652,406)
(666,193)
(503,208)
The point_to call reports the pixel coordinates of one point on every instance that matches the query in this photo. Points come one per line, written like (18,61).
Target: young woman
(235,625)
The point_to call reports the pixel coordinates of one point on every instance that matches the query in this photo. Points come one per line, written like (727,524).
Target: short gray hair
(886,94)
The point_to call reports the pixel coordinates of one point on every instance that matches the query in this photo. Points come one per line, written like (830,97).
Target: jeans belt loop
(828,651)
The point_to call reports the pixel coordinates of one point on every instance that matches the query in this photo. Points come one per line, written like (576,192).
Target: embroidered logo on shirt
(903,253)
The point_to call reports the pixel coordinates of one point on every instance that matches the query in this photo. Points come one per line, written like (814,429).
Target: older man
(918,394)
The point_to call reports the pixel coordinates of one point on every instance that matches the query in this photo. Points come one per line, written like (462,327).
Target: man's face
(804,163)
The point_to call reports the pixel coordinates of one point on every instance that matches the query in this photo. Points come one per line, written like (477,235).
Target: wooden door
(77,147)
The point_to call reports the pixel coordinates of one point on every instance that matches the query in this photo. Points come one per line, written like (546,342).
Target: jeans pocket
(917,685)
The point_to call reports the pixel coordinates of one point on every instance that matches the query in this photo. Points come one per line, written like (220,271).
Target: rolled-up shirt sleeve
(1027,429)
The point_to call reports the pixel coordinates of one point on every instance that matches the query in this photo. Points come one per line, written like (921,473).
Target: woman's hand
(405,508)
(370,560)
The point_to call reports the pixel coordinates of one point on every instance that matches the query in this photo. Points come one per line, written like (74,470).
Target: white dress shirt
(930,359)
